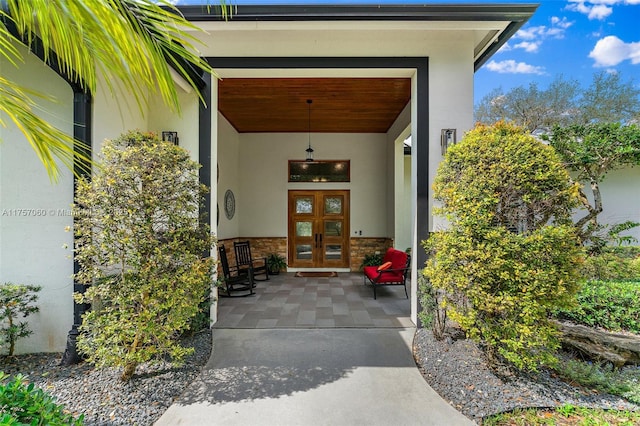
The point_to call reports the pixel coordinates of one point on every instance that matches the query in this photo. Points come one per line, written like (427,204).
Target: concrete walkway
(302,377)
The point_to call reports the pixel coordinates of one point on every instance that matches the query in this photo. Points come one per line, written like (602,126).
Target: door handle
(320,240)
(316,236)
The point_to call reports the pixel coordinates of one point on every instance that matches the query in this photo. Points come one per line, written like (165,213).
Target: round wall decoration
(229,204)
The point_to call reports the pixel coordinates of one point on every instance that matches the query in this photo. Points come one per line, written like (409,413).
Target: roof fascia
(505,35)
(436,12)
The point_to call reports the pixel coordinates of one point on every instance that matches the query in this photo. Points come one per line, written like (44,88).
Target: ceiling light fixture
(309,150)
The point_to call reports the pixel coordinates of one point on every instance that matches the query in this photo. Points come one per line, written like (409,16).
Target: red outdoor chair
(395,267)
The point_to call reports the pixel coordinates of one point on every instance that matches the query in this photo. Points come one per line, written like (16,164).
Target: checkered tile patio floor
(286,301)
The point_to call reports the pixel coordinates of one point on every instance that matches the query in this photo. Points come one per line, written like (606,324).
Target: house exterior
(413,62)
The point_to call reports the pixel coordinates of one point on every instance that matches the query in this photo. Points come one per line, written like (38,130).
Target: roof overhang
(326,31)
(493,24)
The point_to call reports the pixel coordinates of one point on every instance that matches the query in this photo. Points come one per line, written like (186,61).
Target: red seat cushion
(391,277)
(371,272)
(388,255)
(385,277)
(398,259)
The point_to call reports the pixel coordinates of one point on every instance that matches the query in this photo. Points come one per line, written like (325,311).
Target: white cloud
(505,48)
(563,22)
(597,9)
(610,51)
(529,33)
(600,12)
(533,37)
(528,46)
(512,67)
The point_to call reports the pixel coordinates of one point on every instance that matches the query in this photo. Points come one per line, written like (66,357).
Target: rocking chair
(236,283)
(244,261)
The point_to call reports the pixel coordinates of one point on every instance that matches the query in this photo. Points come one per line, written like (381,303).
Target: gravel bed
(101,396)
(456,370)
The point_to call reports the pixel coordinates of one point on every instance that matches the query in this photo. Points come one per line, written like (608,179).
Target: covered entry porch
(287,301)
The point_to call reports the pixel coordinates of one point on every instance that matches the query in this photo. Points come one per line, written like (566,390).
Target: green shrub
(140,245)
(276,263)
(432,315)
(372,259)
(24,404)
(613,263)
(612,305)
(626,252)
(510,255)
(16,300)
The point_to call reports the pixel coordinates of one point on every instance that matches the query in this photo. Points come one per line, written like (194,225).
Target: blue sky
(573,38)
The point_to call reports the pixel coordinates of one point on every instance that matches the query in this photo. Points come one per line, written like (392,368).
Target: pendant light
(309,150)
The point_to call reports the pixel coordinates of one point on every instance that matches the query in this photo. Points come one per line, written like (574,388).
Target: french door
(319,229)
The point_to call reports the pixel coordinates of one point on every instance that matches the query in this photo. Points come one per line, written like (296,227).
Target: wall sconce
(447,139)
(170,137)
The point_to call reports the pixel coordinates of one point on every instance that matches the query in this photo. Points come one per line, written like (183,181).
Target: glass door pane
(303,252)
(304,205)
(304,229)
(333,228)
(333,205)
(333,252)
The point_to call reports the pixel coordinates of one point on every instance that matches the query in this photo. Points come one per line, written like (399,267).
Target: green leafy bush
(140,245)
(372,259)
(16,300)
(612,305)
(276,263)
(625,252)
(24,404)
(613,263)
(432,314)
(511,254)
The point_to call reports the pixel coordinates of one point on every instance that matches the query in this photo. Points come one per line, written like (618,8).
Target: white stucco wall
(450,101)
(185,121)
(263,161)
(35,212)
(399,205)
(115,113)
(620,192)
(230,169)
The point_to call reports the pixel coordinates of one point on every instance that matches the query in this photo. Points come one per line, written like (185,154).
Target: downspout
(82,130)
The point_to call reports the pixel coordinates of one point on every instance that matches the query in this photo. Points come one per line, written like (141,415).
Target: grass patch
(564,415)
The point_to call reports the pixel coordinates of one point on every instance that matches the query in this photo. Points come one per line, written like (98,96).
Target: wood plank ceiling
(340,105)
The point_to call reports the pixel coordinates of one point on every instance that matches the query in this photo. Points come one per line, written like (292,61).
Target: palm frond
(48,142)
(132,42)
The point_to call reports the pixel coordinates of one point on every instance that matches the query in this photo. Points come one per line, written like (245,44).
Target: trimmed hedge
(612,305)
(510,255)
